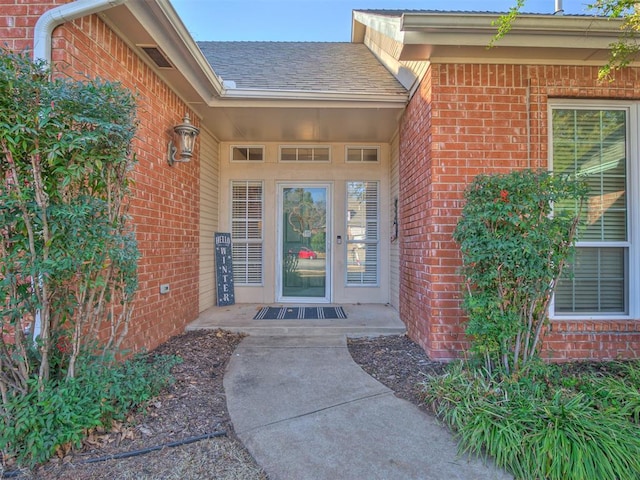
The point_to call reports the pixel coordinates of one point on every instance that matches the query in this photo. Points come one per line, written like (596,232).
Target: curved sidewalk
(306,410)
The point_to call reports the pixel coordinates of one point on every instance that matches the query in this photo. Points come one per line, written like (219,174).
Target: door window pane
(304,242)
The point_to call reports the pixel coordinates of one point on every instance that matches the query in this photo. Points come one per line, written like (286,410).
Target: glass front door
(303,255)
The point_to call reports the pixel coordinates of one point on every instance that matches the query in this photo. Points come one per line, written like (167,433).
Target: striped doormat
(299,313)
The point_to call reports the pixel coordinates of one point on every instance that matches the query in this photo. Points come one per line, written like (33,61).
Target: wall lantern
(185,134)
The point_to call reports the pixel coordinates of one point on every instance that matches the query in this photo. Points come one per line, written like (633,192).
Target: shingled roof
(301,66)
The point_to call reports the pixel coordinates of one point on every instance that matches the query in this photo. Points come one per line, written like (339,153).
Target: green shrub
(513,252)
(69,253)
(36,424)
(544,425)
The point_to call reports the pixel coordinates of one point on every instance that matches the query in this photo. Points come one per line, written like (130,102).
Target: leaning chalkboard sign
(224,270)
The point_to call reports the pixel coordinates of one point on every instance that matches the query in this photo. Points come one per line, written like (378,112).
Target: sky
(319,20)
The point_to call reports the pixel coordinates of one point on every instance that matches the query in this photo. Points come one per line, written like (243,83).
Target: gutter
(541,24)
(62,14)
(264,94)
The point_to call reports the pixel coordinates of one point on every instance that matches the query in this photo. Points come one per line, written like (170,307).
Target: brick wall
(18,19)
(471,119)
(165,203)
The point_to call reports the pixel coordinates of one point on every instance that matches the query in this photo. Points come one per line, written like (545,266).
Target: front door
(303,253)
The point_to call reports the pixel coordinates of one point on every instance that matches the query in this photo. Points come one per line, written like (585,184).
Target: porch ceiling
(302,124)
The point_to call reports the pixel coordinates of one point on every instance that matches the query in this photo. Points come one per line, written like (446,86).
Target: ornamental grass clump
(551,424)
(514,247)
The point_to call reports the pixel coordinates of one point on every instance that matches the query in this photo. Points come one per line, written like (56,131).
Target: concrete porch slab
(363,320)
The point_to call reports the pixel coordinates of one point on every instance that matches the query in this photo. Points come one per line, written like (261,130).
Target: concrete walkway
(306,410)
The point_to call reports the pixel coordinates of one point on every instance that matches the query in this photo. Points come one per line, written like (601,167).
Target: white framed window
(598,143)
(246,153)
(247,213)
(368,154)
(305,153)
(363,219)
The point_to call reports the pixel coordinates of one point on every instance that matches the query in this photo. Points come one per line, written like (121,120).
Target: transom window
(363,154)
(247,153)
(293,153)
(594,145)
(247,212)
(362,233)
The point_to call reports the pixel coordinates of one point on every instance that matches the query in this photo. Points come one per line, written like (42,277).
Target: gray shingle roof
(301,66)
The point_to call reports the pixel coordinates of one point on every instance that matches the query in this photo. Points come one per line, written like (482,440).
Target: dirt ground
(194,407)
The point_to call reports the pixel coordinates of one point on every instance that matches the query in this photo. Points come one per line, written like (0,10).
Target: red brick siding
(18,19)
(165,201)
(471,119)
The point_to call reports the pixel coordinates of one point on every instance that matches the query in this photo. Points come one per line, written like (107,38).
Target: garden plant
(537,420)
(514,248)
(68,270)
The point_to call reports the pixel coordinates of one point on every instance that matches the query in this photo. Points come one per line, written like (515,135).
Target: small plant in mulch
(51,421)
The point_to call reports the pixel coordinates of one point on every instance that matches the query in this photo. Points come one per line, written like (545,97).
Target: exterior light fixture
(185,134)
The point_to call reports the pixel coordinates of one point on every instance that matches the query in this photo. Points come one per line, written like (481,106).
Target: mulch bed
(195,405)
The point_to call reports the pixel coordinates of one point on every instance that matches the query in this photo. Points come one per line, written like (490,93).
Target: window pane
(593,145)
(370,155)
(595,283)
(305,154)
(246,232)
(321,154)
(288,154)
(354,155)
(362,233)
(239,154)
(255,154)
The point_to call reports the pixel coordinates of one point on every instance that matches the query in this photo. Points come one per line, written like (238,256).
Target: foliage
(69,260)
(543,425)
(319,242)
(626,48)
(505,22)
(622,52)
(36,424)
(513,252)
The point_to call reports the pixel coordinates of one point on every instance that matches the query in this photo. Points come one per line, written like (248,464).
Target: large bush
(514,247)
(69,259)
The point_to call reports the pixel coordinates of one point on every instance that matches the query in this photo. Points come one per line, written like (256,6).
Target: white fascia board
(350,97)
(474,29)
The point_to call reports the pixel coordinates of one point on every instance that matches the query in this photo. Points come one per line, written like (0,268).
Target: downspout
(42,51)
(59,15)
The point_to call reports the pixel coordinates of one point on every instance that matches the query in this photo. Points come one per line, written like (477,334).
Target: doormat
(299,313)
